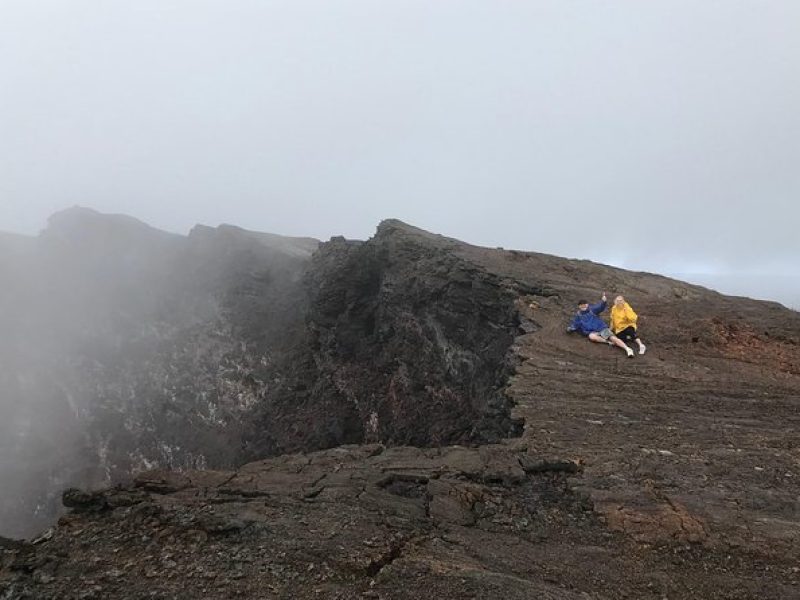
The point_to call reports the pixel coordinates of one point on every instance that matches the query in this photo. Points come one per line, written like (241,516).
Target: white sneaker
(630,352)
(642,349)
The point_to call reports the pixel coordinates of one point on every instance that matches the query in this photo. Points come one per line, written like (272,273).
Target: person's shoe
(629,352)
(642,349)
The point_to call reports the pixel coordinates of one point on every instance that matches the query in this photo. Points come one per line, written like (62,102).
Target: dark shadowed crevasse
(405,344)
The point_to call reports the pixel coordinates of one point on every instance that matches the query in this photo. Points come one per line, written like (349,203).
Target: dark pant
(628,334)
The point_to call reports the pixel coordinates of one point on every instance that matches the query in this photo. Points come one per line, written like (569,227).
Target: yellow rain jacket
(623,317)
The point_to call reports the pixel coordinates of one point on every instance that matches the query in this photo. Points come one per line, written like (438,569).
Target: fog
(69,301)
(660,136)
(654,135)
(126,348)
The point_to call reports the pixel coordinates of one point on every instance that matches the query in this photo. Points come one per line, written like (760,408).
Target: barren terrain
(672,475)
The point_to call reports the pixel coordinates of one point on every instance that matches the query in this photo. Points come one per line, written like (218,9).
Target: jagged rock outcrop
(405,343)
(374,522)
(357,521)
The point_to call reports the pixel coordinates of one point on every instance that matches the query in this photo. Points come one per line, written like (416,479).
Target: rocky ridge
(671,475)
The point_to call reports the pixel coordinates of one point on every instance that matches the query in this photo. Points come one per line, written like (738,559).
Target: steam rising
(110,329)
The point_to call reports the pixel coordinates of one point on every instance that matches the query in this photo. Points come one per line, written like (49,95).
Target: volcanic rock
(487,453)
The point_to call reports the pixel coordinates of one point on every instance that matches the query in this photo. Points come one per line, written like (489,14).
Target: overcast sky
(659,135)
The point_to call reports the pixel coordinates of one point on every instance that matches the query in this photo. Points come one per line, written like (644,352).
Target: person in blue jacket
(588,323)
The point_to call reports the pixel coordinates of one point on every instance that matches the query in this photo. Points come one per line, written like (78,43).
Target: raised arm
(599,307)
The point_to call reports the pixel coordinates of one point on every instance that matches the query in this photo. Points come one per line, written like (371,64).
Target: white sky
(662,134)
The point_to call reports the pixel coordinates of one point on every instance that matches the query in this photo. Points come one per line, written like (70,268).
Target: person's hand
(604,298)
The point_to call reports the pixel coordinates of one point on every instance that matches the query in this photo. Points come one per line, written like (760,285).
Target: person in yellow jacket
(623,323)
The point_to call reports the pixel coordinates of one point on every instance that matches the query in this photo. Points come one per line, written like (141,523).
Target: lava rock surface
(670,475)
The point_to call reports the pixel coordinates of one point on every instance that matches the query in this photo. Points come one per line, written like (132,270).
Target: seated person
(587,322)
(624,322)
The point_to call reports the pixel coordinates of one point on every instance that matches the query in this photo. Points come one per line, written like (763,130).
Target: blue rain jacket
(587,321)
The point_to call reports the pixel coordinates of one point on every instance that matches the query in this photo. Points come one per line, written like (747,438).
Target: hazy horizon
(761,286)
(660,136)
